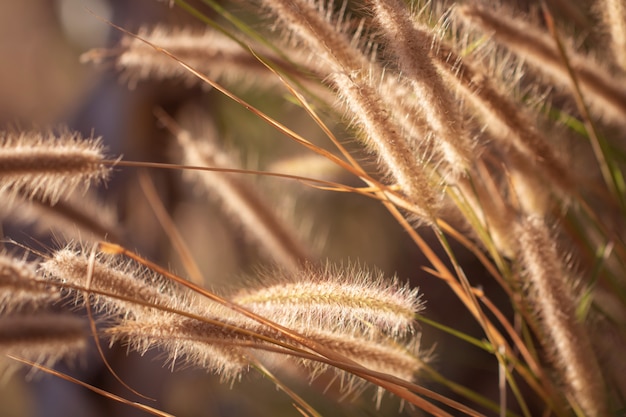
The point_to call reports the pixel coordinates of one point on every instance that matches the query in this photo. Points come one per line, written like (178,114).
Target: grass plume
(48,164)
(411,45)
(21,287)
(536,46)
(207,50)
(244,205)
(353,75)
(613,13)
(43,338)
(350,300)
(110,276)
(551,297)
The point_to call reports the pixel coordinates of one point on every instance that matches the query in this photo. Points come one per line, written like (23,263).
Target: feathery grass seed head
(380,354)
(349,301)
(508,121)
(206,50)
(43,338)
(75,217)
(552,299)
(356,79)
(143,327)
(185,341)
(613,13)
(20,286)
(48,164)
(242,202)
(411,46)
(605,94)
(112,276)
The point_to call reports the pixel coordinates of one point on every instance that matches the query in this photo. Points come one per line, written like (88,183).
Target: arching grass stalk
(395,385)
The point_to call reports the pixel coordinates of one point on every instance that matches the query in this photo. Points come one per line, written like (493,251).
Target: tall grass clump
(334,157)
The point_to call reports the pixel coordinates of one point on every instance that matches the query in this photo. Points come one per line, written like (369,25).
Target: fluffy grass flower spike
(349,300)
(43,338)
(21,287)
(49,164)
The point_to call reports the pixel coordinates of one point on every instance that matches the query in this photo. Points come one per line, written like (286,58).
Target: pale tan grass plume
(44,338)
(21,287)
(147,310)
(187,342)
(508,122)
(613,13)
(111,276)
(357,88)
(552,299)
(80,217)
(204,49)
(381,354)
(244,205)
(351,300)
(411,45)
(606,96)
(49,164)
